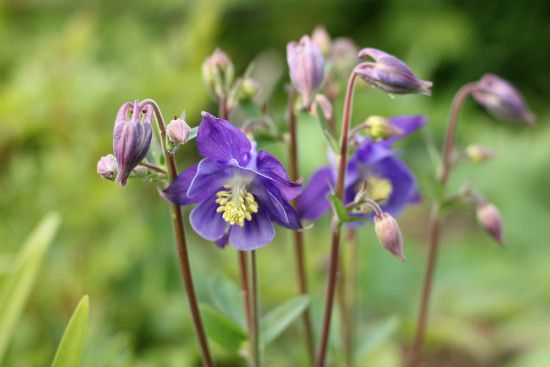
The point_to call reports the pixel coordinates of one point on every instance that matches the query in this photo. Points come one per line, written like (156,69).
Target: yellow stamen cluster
(378,189)
(236,205)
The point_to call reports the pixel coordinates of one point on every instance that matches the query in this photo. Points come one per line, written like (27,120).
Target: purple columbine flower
(390,74)
(240,191)
(501,99)
(373,170)
(131,138)
(306,65)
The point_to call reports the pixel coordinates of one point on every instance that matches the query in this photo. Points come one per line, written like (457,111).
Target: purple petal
(219,140)
(177,191)
(407,124)
(270,167)
(206,221)
(210,176)
(281,212)
(313,202)
(254,234)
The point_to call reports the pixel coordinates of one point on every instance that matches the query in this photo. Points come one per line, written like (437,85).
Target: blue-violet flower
(240,191)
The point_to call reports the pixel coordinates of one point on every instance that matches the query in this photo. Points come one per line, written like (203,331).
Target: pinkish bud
(324,105)
(489,218)
(177,131)
(131,138)
(321,38)
(390,74)
(478,153)
(501,99)
(388,233)
(306,65)
(107,167)
(218,73)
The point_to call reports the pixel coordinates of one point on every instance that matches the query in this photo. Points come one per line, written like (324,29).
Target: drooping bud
(177,131)
(107,167)
(489,218)
(131,138)
(321,103)
(218,73)
(388,233)
(248,89)
(390,74)
(321,38)
(306,65)
(478,153)
(380,128)
(502,100)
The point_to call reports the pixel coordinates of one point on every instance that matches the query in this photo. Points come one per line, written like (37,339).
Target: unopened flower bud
(501,99)
(322,103)
(489,218)
(107,167)
(478,153)
(218,73)
(321,38)
(388,233)
(390,74)
(380,128)
(131,138)
(177,131)
(248,89)
(306,65)
(343,56)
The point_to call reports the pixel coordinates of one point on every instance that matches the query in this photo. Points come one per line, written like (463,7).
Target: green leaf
(221,329)
(375,335)
(19,283)
(331,140)
(274,323)
(341,211)
(227,297)
(71,345)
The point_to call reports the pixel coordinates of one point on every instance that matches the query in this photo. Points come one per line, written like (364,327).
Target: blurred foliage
(66,67)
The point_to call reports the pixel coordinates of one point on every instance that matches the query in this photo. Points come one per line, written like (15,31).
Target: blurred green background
(66,67)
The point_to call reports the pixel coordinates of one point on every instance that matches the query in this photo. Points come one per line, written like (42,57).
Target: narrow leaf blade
(221,329)
(71,345)
(227,297)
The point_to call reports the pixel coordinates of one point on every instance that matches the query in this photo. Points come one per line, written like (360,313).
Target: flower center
(376,188)
(236,204)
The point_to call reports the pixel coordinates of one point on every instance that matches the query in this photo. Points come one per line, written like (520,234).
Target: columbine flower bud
(321,38)
(324,104)
(131,138)
(248,89)
(489,218)
(390,74)
(177,131)
(218,73)
(379,128)
(107,167)
(501,99)
(478,153)
(388,233)
(306,65)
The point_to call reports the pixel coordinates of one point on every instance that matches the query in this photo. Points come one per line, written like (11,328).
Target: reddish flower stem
(298,236)
(336,227)
(179,234)
(415,353)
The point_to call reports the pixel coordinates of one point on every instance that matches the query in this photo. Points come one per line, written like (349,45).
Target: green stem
(298,236)
(179,234)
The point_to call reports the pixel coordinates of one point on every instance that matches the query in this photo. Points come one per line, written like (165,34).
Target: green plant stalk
(179,234)
(336,226)
(298,236)
(415,353)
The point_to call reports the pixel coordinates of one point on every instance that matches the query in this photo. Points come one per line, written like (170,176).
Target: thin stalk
(298,236)
(179,234)
(434,226)
(352,292)
(243,262)
(255,310)
(153,167)
(336,227)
